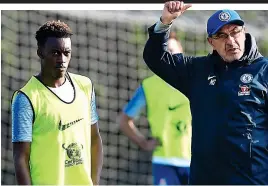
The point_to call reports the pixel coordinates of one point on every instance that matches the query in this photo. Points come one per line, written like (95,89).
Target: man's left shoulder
(262,67)
(261,63)
(80,77)
(264,60)
(81,80)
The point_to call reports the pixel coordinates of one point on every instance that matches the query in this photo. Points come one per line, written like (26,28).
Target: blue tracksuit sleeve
(22,119)
(174,69)
(136,104)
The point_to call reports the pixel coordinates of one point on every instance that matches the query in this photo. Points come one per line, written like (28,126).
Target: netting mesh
(108,51)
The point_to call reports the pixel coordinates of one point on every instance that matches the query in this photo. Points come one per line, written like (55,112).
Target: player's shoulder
(30,87)
(80,78)
(31,82)
(19,97)
(264,65)
(153,77)
(262,62)
(265,60)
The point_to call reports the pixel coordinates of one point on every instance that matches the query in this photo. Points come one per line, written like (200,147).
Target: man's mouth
(232,50)
(61,66)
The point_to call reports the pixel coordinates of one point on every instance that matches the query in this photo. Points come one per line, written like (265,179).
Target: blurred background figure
(169,117)
(174,45)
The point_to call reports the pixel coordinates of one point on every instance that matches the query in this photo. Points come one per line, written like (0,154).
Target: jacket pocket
(259,158)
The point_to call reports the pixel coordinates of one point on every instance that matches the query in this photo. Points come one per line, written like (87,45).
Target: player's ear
(244,31)
(210,42)
(40,53)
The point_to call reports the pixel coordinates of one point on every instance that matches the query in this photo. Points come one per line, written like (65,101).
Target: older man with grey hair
(228,95)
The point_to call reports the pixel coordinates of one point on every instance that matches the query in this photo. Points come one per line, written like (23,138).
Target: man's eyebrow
(55,48)
(236,27)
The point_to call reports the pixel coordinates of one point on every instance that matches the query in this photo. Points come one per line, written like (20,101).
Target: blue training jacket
(229,105)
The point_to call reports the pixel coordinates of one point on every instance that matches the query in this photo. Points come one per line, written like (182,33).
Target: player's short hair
(173,35)
(52,28)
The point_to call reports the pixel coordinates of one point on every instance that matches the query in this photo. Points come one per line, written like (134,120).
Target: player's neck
(51,81)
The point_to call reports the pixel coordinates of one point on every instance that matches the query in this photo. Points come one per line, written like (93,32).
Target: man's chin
(231,58)
(60,74)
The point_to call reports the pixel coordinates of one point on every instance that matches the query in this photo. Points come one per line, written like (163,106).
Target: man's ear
(244,28)
(40,53)
(210,42)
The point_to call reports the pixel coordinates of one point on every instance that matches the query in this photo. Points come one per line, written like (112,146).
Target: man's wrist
(166,21)
(95,182)
(160,27)
(141,142)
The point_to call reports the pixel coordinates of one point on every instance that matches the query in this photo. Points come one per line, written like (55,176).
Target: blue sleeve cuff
(161,28)
(94,114)
(136,104)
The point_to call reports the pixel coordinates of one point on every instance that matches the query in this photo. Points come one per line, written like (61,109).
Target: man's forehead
(58,42)
(229,27)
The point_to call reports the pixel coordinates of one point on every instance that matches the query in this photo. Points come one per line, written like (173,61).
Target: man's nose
(230,40)
(61,58)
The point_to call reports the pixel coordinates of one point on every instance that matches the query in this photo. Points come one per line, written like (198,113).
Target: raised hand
(172,10)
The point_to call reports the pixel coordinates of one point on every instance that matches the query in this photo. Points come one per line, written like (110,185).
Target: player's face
(229,42)
(56,56)
(174,46)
